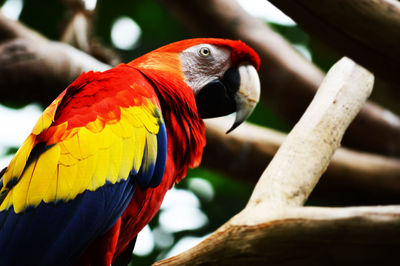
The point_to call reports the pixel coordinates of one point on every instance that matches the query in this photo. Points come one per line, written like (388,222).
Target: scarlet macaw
(101,157)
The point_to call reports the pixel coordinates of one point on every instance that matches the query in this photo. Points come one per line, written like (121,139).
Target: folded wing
(78,169)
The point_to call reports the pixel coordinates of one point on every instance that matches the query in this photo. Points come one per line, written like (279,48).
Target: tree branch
(307,150)
(48,66)
(32,68)
(274,228)
(367,31)
(289,81)
(358,177)
(261,232)
(301,236)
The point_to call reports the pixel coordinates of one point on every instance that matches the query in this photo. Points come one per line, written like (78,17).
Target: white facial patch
(204,63)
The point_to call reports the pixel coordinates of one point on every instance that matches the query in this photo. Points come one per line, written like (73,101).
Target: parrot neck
(185,128)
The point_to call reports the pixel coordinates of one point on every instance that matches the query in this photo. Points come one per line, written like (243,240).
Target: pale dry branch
(79,28)
(288,80)
(306,152)
(33,68)
(302,236)
(274,228)
(77,32)
(356,176)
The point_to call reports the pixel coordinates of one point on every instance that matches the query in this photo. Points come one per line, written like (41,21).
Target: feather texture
(101,157)
(88,151)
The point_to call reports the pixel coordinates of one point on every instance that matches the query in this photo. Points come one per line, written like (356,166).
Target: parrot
(95,168)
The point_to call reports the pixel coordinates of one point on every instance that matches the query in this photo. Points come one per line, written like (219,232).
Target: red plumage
(186,140)
(96,167)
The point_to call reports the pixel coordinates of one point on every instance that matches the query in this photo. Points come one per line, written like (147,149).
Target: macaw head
(222,74)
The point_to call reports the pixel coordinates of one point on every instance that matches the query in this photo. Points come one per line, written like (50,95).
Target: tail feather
(125,257)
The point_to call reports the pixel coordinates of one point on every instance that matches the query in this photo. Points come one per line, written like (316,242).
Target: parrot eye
(204,52)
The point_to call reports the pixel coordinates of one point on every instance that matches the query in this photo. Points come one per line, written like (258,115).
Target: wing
(77,171)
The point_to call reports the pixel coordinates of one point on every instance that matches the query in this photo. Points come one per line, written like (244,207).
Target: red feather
(185,131)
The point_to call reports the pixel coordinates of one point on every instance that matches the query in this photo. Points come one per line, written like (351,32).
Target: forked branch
(274,227)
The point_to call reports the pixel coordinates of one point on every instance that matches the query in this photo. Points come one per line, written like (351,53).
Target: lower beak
(238,91)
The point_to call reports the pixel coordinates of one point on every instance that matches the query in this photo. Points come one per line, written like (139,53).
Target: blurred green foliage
(11,151)
(262,115)
(291,33)
(158,27)
(46,17)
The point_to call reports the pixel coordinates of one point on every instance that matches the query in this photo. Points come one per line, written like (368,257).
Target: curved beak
(247,96)
(238,91)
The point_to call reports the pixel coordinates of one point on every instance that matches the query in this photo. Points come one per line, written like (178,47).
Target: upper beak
(238,91)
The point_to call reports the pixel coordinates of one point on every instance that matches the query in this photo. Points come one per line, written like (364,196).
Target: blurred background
(121,31)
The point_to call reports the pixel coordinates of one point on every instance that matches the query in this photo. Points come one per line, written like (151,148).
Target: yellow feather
(43,176)
(123,128)
(46,118)
(7,201)
(15,170)
(96,126)
(71,146)
(66,159)
(88,142)
(65,180)
(81,180)
(106,137)
(43,123)
(151,155)
(87,171)
(128,148)
(132,114)
(115,161)
(17,164)
(148,120)
(148,123)
(20,190)
(152,146)
(140,141)
(101,170)
(85,159)
(51,194)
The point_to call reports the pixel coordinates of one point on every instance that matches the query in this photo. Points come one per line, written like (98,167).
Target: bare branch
(356,176)
(302,236)
(274,228)
(367,31)
(33,68)
(10,29)
(78,32)
(38,70)
(289,81)
(307,151)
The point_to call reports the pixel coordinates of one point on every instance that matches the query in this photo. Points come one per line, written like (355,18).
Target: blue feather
(57,234)
(161,157)
(153,174)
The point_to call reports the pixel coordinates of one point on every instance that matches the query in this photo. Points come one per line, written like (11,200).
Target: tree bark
(52,65)
(274,228)
(302,236)
(368,31)
(306,152)
(33,68)
(288,80)
(359,177)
